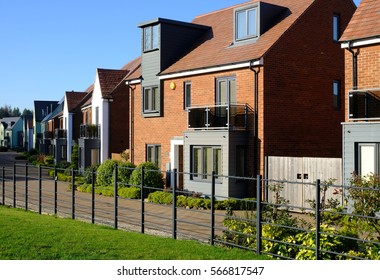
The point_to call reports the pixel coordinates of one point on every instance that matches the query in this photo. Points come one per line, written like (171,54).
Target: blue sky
(48,47)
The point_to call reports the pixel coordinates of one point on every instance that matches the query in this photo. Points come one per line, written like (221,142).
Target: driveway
(7,159)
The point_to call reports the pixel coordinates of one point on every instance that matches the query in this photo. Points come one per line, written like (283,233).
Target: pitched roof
(134,69)
(74,99)
(109,79)
(218,48)
(365,22)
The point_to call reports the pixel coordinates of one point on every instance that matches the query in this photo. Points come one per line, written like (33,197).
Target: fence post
(317,219)
(92,195)
(258,215)
(3,179)
(26,187)
(72,194)
(174,203)
(142,200)
(212,208)
(14,185)
(39,189)
(55,190)
(115,196)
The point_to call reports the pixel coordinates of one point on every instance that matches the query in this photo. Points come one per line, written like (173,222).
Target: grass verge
(29,236)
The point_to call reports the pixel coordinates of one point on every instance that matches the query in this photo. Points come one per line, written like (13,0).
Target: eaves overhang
(213,69)
(360,42)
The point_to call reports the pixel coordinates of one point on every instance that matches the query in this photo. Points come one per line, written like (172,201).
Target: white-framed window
(246,23)
(205,160)
(151,100)
(187,95)
(336,27)
(368,161)
(153,154)
(151,38)
(225,91)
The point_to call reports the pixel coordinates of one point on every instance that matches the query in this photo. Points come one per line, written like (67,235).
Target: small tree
(75,157)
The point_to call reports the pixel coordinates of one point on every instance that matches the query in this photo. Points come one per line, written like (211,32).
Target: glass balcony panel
(364,104)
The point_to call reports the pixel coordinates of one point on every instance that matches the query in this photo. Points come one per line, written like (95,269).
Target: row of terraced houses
(273,78)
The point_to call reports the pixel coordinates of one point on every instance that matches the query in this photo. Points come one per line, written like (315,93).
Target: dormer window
(151,38)
(246,23)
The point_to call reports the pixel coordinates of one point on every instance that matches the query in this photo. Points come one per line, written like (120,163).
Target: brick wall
(299,116)
(368,60)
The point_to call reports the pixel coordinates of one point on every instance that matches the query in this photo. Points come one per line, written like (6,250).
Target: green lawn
(29,236)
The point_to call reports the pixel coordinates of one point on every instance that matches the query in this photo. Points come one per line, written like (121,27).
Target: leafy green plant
(153,178)
(104,174)
(75,157)
(364,195)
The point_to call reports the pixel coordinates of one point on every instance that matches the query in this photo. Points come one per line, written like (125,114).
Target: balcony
(91,131)
(364,104)
(60,133)
(222,117)
(48,135)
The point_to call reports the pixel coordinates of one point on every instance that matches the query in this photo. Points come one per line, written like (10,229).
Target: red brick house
(361,129)
(237,85)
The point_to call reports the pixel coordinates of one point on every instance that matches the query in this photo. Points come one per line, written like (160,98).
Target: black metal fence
(260,225)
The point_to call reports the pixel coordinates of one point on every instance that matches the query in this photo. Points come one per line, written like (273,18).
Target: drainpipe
(354,65)
(256,72)
(131,122)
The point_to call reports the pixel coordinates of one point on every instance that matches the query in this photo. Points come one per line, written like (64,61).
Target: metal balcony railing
(223,117)
(60,133)
(364,104)
(90,131)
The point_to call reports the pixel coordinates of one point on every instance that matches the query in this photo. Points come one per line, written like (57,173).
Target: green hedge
(129,192)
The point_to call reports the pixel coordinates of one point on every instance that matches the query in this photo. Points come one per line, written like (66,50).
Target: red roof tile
(219,49)
(365,23)
(74,99)
(110,79)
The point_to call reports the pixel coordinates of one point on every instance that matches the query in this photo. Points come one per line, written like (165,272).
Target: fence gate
(302,173)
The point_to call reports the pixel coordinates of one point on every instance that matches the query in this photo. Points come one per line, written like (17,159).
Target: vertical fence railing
(317,219)
(93,196)
(212,236)
(142,201)
(258,215)
(174,210)
(72,194)
(39,189)
(3,183)
(55,190)
(14,185)
(26,187)
(115,198)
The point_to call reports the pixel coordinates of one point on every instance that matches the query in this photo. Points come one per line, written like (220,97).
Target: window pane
(147,38)
(367,159)
(241,28)
(336,27)
(150,154)
(336,94)
(158,156)
(187,95)
(222,97)
(218,161)
(252,23)
(207,163)
(197,167)
(147,99)
(155,37)
(155,99)
(232,88)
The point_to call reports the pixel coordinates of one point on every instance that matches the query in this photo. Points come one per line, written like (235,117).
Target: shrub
(87,176)
(49,160)
(131,192)
(33,152)
(104,175)
(3,149)
(153,178)
(125,170)
(75,156)
(160,197)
